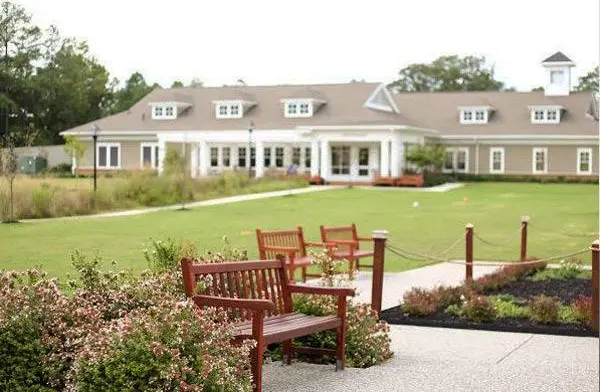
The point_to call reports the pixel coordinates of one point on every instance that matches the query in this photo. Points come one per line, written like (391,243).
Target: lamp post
(95,131)
(250,129)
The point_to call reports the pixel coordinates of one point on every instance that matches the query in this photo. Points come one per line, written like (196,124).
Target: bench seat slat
(288,326)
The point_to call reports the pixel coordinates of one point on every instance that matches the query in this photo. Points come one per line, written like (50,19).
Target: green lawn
(564,218)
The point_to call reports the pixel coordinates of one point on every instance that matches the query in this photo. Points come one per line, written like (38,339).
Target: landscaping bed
(529,298)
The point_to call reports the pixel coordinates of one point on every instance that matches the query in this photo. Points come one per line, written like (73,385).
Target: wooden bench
(261,293)
(347,245)
(410,180)
(290,243)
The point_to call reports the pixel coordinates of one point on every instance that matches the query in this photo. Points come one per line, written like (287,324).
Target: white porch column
(384,167)
(260,158)
(193,160)
(401,156)
(203,164)
(324,159)
(162,151)
(314,158)
(395,157)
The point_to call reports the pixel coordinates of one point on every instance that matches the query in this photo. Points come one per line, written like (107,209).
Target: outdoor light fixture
(250,129)
(95,132)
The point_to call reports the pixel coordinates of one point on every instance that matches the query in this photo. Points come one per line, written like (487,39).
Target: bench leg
(340,345)
(287,352)
(303,274)
(256,355)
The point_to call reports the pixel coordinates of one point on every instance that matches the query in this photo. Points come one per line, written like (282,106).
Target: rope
(422,256)
(497,244)
(522,262)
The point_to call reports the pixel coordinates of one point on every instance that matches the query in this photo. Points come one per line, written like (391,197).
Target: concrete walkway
(443,359)
(204,203)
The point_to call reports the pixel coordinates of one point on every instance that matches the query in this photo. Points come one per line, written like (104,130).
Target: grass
(564,218)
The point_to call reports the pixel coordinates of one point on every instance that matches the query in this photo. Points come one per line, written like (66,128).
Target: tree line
(49,83)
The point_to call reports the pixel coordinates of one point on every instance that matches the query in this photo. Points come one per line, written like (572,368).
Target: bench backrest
(261,279)
(332,233)
(293,238)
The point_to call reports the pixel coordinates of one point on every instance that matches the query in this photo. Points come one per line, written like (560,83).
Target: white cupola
(558,74)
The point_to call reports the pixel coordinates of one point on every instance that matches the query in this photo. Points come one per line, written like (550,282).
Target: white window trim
(298,102)
(534,109)
(153,163)
(533,162)
(108,146)
(491,168)
(164,111)
(229,104)
(473,119)
(455,151)
(589,151)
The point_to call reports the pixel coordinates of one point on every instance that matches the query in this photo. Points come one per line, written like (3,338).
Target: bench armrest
(339,291)
(343,242)
(235,303)
(288,249)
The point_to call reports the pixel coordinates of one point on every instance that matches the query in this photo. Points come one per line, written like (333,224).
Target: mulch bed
(565,290)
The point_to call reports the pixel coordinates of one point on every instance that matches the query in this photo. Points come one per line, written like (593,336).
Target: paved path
(444,359)
(204,203)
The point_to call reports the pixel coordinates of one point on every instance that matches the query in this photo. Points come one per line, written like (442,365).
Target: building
(354,132)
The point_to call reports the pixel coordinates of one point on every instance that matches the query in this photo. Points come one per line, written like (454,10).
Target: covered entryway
(353,162)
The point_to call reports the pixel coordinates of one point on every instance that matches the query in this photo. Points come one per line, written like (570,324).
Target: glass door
(363,162)
(340,160)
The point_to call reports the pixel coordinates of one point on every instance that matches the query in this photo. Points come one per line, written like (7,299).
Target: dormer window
(223,110)
(298,108)
(545,114)
(232,108)
(164,112)
(158,112)
(169,112)
(474,115)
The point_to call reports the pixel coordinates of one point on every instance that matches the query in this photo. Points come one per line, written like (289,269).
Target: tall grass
(45,197)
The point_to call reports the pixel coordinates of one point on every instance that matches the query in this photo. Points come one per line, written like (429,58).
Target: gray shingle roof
(557,58)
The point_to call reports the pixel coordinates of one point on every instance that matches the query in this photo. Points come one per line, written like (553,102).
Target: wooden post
(595,285)
(524,222)
(379,240)
(469,253)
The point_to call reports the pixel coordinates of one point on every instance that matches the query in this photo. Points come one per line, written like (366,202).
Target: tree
(177,84)
(448,73)
(538,88)
(589,81)
(9,165)
(135,89)
(427,157)
(196,83)
(74,148)
(176,168)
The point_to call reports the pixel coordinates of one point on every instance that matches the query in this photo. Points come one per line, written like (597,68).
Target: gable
(381,99)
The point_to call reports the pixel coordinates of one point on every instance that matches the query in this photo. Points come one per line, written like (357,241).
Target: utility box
(32,164)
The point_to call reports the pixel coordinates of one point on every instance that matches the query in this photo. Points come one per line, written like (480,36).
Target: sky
(265,42)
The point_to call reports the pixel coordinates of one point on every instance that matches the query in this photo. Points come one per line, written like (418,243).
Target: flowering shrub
(330,269)
(544,309)
(582,307)
(164,256)
(479,309)
(419,302)
(367,338)
(504,276)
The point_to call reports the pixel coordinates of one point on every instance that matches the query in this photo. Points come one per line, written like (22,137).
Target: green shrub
(568,269)
(419,302)
(367,338)
(163,256)
(582,309)
(42,201)
(446,296)
(544,309)
(455,310)
(479,309)
(508,307)
(566,314)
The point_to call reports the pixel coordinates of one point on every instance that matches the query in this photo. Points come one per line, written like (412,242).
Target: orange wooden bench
(347,245)
(261,293)
(290,243)
(410,180)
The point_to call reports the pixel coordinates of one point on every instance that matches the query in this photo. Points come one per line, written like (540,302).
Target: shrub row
(432,179)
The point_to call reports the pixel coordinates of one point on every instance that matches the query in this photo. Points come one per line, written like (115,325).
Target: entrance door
(363,162)
(340,160)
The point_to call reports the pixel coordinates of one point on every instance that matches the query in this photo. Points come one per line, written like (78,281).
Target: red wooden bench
(261,293)
(411,180)
(291,243)
(347,245)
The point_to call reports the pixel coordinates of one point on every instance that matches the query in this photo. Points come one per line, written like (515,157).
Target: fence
(55,155)
(468,237)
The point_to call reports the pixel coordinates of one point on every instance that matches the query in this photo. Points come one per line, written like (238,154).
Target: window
(340,160)
(267,151)
(149,155)
(109,155)
(279,156)
(225,156)
(540,160)
(307,157)
(252,157)
(584,161)
(298,108)
(296,152)
(545,115)
(457,160)
(234,110)
(242,156)
(467,116)
(363,161)
(228,109)
(223,110)
(479,115)
(556,77)
(164,112)
(214,156)
(496,160)
(473,116)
